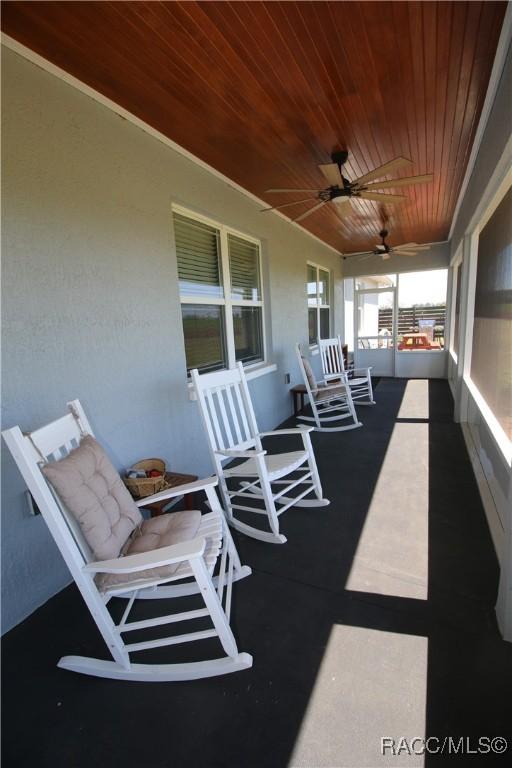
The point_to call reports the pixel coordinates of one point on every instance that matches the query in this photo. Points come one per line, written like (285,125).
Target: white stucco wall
(90,296)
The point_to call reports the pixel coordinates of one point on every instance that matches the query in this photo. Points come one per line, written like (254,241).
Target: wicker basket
(140,487)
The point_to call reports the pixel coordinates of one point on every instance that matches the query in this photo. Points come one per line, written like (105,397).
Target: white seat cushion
(278,465)
(155,533)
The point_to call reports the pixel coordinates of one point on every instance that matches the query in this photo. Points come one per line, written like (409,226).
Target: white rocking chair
(335,400)
(230,424)
(333,366)
(171,571)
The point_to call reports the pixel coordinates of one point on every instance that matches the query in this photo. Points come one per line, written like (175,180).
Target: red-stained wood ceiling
(264,91)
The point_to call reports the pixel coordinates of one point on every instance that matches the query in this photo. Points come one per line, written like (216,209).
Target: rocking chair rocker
(335,400)
(333,366)
(89,512)
(230,424)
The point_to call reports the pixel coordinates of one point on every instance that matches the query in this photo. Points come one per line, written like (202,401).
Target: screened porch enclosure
(386,315)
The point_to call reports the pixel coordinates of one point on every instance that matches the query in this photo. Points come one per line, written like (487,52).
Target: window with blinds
(198,254)
(244,269)
(221,295)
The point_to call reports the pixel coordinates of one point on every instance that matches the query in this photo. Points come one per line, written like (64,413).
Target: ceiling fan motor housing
(340,158)
(384,247)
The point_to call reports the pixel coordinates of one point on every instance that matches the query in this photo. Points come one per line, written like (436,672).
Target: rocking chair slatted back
(226,410)
(51,443)
(331,356)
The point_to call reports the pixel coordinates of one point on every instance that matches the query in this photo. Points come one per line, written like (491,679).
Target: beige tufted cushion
(310,375)
(90,487)
(161,531)
(330,393)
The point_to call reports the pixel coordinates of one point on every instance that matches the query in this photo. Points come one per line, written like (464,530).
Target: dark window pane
(203,328)
(456,320)
(313,329)
(491,359)
(247,328)
(324,324)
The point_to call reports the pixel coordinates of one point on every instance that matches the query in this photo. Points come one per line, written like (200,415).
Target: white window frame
(456,268)
(478,222)
(227,301)
(314,345)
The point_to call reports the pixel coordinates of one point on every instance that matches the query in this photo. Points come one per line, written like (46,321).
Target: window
(220,290)
(491,353)
(318,288)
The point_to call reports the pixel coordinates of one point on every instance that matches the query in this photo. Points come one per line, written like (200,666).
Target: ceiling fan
(385,250)
(340,190)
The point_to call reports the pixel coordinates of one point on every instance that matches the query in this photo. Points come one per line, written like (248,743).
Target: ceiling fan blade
(292,190)
(382,170)
(342,206)
(332,174)
(381,197)
(285,205)
(405,182)
(311,210)
(405,253)
(406,245)
(358,253)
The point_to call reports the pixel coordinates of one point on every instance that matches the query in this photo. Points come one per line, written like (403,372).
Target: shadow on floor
(375,618)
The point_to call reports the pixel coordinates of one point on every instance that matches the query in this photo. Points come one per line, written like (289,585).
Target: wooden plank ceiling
(264,91)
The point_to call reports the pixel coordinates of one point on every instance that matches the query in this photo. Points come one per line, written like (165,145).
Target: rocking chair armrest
(355,371)
(291,431)
(175,553)
(234,454)
(178,490)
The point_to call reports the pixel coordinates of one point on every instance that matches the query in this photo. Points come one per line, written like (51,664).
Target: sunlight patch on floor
(371,684)
(414,403)
(392,552)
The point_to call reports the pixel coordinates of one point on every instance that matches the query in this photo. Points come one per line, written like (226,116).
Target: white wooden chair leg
(268,496)
(313,467)
(370,390)
(214,606)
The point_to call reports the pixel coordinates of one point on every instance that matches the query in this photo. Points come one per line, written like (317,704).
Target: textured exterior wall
(90,296)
